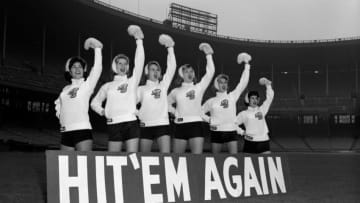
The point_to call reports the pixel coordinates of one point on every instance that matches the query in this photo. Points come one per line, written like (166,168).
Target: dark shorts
(223,136)
(154,132)
(186,131)
(121,132)
(256,147)
(71,138)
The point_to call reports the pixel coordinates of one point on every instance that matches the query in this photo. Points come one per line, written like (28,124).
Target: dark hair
(79,60)
(72,61)
(180,80)
(251,93)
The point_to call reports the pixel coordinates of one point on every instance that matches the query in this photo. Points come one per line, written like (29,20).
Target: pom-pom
(92,43)
(264,81)
(135,31)
(166,40)
(206,48)
(243,57)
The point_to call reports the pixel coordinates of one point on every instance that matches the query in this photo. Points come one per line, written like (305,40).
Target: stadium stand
(315,81)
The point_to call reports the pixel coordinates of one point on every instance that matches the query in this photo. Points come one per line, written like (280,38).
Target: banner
(153,177)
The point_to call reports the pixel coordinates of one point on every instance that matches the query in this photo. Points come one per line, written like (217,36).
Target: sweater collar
(253,108)
(220,94)
(151,83)
(77,81)
(120,77)
(187,84)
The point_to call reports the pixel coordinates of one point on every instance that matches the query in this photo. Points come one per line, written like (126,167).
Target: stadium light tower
(194,20)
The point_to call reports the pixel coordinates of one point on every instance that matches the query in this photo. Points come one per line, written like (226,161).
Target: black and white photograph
(151,101)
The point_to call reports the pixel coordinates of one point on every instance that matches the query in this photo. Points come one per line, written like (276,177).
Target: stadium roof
(154,21)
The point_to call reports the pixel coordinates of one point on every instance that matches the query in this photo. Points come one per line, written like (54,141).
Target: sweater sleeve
(139,95)
(269,98)
(96,70)
(170,69)
(205,109)
(240,118)
(57,107)
(244,80)
(171,101)
(96,102)
(210,70)
(139,62)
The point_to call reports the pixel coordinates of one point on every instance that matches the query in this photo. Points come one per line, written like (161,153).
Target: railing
(27,78)
(233,38)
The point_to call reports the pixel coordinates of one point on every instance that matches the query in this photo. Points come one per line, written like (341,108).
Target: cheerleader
(153,113)
(256,134)
(222,109)
(120,96)
(187,97)
(72,105)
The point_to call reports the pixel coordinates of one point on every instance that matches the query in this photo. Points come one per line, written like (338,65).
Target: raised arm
(95,72)
(96,102)
(168,42)
(244,80)
(137,33)
(269,95)
(210,67)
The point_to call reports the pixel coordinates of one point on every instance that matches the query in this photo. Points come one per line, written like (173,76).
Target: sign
(153,177)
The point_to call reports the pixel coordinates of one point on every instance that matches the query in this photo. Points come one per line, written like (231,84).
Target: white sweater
(188,97)
(153,96)
(254,119)
(222,108)
(72,106)
(120,94)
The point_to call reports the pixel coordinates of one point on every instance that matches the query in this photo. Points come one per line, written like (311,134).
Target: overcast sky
(266,19)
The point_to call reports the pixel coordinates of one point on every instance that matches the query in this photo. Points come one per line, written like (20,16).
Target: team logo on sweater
(224,103)
(190,94)
(73,93)
(122,88)
(259,115)
(156,93)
